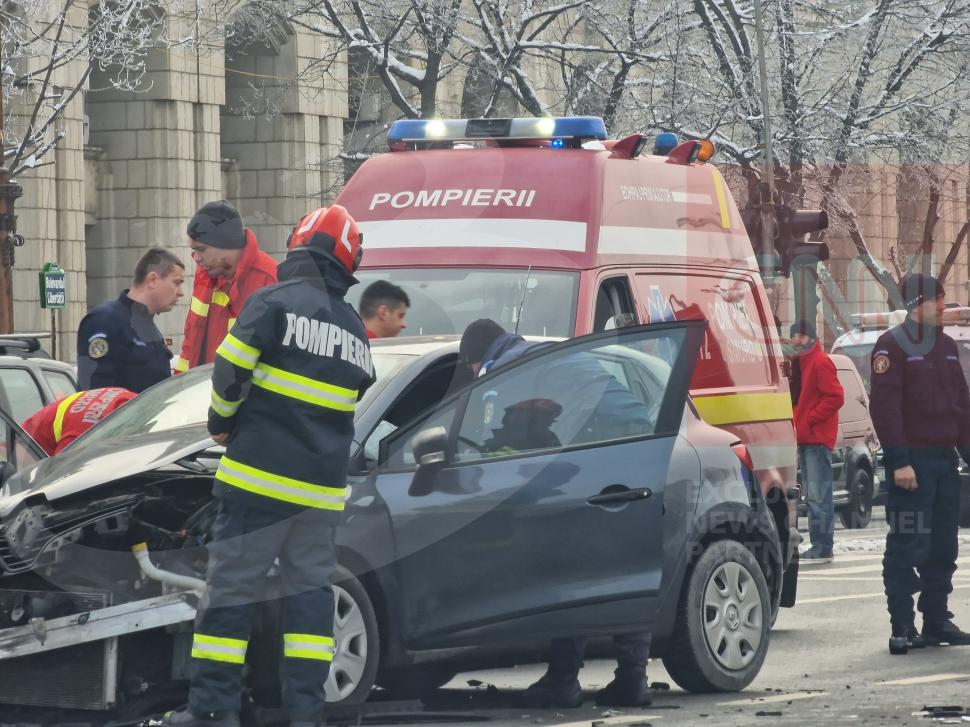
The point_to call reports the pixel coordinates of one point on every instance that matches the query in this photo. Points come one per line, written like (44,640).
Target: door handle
(612,496)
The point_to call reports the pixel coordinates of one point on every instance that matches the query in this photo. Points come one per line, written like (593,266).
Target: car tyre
(858,512)
(416,681)
(357,643)
(723,621)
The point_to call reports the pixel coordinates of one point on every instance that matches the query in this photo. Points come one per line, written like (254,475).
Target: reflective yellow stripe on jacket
(219,298)
(308,646)
(59,415)
(222,407)
(198,307)
(235,351)
(181,365)
(287,489)
(304,389)
(218,648)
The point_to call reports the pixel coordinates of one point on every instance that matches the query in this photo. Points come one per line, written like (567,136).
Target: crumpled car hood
(82,468)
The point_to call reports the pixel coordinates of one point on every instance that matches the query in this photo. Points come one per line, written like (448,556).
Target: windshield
(445,300)
(175,402)
(184,400)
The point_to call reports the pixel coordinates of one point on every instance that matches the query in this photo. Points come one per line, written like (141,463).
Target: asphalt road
(828,664)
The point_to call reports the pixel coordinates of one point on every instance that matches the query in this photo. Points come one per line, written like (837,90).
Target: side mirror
(429,447)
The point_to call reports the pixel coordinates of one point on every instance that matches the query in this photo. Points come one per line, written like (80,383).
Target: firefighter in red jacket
(817,397)
(61,422)
(229,268)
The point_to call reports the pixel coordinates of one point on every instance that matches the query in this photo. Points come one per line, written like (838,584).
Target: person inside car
(603,408)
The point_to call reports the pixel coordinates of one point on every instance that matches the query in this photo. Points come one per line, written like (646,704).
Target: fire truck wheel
(357,644)
(723,622)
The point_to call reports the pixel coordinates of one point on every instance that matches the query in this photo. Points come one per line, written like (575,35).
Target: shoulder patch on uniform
(98,347)
(880,364)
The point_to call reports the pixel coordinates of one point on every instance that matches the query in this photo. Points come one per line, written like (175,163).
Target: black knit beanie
(917,288)
(218,224)
(477,338)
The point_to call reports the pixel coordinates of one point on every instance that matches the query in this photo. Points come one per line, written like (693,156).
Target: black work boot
(904,638)
(937,633)
(188,718)
(553,690)
(626,690)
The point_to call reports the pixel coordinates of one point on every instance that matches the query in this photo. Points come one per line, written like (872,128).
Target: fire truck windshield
(445,300)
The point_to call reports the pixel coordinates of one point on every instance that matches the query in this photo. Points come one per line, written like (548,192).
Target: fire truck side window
(614,305)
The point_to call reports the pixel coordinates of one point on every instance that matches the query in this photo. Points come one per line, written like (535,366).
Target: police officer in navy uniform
(118,343)
(920,407)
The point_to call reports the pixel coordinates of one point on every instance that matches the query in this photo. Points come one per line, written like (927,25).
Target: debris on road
(767,714)
(660,686)
(947,712)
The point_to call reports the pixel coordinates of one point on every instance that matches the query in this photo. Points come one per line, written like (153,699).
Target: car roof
(421,345)
(958,332)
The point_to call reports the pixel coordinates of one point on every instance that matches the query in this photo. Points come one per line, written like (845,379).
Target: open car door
(531,503)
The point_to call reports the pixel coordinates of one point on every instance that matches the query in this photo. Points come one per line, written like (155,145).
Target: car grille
(23,556)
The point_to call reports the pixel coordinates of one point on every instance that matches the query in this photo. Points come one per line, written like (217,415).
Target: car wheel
(723,622)
(857,514)
(416,681)
(357,645)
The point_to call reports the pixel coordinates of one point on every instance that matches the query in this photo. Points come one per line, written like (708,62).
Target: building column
(282,127)
(161,161)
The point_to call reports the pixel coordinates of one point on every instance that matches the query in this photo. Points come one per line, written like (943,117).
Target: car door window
(584,396)
(396,452)
(61,384)
(19,395)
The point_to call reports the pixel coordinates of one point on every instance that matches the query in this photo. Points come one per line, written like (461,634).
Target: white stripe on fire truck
(668,242)
(475,232)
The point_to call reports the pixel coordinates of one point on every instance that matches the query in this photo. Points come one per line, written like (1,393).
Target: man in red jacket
(817,397)
(62,421)
(229,268)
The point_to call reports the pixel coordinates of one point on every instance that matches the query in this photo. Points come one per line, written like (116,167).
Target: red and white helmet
(331,230)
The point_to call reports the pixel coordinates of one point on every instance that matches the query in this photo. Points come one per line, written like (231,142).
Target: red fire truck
(550,229)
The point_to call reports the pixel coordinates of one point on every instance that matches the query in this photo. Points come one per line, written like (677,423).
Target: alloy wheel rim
(350,647)
(733,616)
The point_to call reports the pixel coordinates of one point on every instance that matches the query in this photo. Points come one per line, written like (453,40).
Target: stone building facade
(251,125)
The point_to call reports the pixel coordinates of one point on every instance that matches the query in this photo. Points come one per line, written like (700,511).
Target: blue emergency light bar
(432,130)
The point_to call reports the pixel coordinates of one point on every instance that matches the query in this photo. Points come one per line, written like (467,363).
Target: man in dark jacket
(118,343)
(485,347)
(920,407)
(816,397)
(286,381)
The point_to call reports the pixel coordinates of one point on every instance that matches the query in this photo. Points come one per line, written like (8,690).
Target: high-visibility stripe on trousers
(219,648)
(308,646)
(245,543)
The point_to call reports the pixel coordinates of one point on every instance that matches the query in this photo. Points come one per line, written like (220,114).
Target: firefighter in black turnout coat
(286,381)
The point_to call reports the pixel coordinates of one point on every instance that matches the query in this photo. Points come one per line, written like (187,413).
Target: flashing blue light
(665,143)
(558,130)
